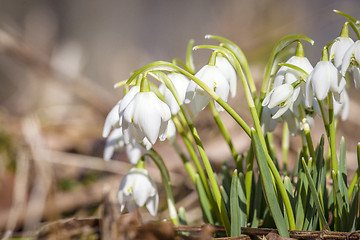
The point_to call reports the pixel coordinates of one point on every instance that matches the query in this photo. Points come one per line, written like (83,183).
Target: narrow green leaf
(354,207)
(343,175)
(226,177)
(204,201)
(314,195)
(257,205)
(242,200)
(268,187)
(225,198)
(182,216)
(234,207)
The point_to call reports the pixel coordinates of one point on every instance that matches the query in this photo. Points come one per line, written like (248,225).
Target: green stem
(167,185)
(332,137)
(223,130)
(189,168)
(285,146)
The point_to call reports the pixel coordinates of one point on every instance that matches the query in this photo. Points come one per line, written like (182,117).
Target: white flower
(134,151)
(324,78)
(126,100)
(146,116)
(268,124)
(281,97)
(338,50)
(171,131)
(342,106)
(351,62)
(114,141)
(112,120)
(229,72)
(180,83)
(136,190)
(290,75)
(197,98)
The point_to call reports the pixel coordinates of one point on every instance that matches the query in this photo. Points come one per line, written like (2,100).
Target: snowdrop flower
(229,72)
(340,46)
(134,152)
(338,50)
(112,120)
(197,98)
(180,83)
(289,75)
(114,141)
(268,124)
(351,62)
(146,116)
(323,79)
(126,100)
(282,97)
(138,189)
(343,106)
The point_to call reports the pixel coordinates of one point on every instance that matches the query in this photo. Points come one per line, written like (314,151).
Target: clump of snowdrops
(162,99)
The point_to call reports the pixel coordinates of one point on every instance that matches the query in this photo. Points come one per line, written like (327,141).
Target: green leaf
(242,200)
(182,216)
(234,207)
(204,201)
(323,221)
(257,205)
(268,187)
(354,207)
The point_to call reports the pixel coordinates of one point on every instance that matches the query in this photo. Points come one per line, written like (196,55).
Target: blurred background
(59,61)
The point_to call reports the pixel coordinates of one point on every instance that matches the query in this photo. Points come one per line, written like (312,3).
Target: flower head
(323,79)
(229,72)
(338,50)
(146,116)
(281,97)
(112,120)
(351,62)
(136,190)
(180,83)
(197,98)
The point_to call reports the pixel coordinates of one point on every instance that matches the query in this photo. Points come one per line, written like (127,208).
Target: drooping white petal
(321,77)
(112,120)
(115,139)
(229,72)
(142,188)
(180,83)
(338,50)
(349,56)
(127,99)
(282,110)
(152,204)
(280,95)
(268,124)
(134,152)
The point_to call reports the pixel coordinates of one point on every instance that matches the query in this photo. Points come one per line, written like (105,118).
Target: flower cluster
(299,88)
(163,98)
(144,114)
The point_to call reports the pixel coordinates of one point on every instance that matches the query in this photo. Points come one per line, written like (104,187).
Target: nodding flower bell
(180,83)
(229,72)
(112,120)
(339,47)
(351,62)
(323,79)
(138,189)
(197,98)
(146,116)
